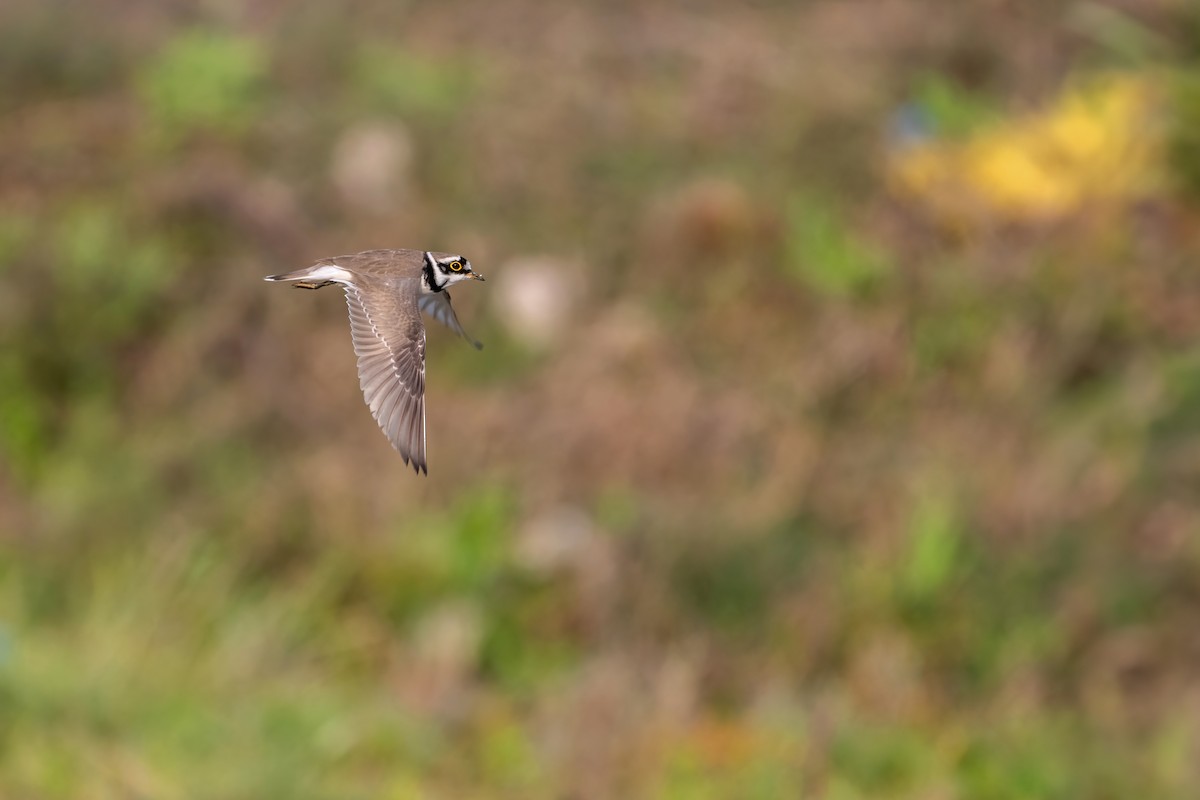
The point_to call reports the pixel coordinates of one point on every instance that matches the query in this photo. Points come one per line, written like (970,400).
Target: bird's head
(450,268)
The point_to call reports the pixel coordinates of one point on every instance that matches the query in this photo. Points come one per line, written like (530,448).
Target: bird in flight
(386,291)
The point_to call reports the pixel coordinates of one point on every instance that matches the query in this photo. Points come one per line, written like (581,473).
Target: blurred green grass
(812,494)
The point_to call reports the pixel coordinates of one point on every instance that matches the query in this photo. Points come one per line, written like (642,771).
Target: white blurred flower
(372,165)
(448,638)
(555,540)
(537,296)
(435,674)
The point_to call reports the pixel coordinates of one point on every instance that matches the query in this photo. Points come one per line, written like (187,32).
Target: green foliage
(617,508)
(508,758)
(770,771)
(107,276)
(825,256)
(1183,123)
(24,423)
(182,676)
(478,546)
(935,545)
(16,231)
(422,87)
(1011,765)
(732,583)
(952,335)
(203,81)
(877,758)
(949,109)
(502,359)
(1169,433)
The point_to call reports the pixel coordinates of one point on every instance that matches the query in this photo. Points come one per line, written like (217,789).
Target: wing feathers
(389,341)
(437,305)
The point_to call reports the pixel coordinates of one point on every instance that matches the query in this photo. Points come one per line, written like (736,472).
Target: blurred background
(834,436)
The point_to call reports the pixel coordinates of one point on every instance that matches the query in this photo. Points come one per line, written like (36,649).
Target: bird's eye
(456,266)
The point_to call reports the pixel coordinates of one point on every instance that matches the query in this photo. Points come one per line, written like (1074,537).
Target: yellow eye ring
(456,266)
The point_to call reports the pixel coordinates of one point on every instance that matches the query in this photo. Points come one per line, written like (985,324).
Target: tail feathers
(299,274)
(314,277)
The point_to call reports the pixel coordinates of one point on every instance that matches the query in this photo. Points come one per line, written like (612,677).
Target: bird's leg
(310,284)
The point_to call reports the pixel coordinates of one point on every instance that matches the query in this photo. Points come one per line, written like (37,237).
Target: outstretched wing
(437,305)
(389,341)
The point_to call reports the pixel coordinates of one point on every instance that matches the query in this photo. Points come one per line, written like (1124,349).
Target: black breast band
(429,273)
